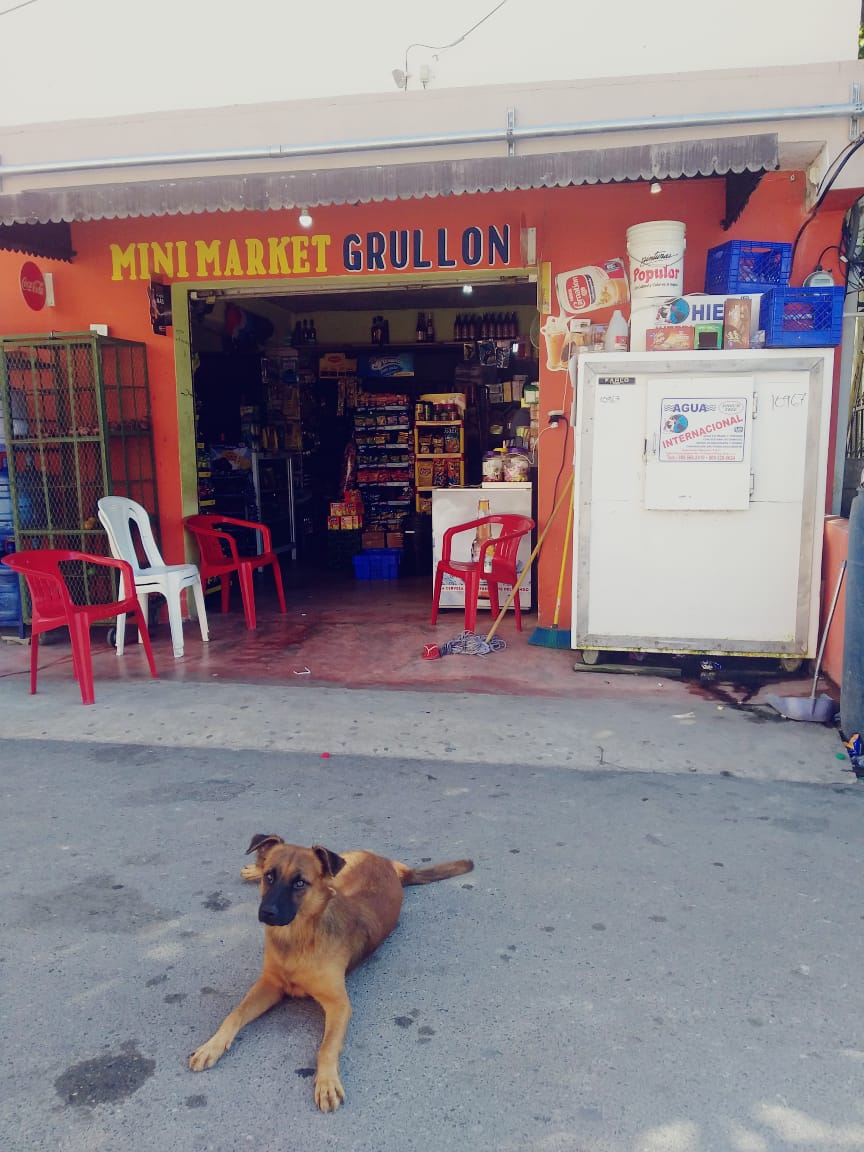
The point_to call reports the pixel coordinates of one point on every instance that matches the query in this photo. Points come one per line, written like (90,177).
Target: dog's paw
(207,1055)
(329,1092)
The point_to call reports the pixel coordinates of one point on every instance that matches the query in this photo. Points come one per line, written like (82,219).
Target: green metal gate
(76,422)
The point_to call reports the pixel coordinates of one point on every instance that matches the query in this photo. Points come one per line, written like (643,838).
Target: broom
(554,637)
(470,644)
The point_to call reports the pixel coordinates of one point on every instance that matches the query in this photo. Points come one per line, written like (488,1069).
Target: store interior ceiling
(500,294)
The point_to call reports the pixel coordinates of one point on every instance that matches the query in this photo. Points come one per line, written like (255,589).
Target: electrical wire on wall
(560,421)
(402,78)
(827,183)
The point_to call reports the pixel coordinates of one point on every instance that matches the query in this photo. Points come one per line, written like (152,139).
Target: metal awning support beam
(509,135)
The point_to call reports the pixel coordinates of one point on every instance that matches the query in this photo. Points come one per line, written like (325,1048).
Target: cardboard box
(374,539)
(672,338)
(395,539)
(708,337)
(684,310)
(737,315)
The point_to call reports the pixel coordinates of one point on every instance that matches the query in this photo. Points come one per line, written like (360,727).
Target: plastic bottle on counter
(617,332)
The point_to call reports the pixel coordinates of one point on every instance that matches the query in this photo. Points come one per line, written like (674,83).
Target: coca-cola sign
(32,286)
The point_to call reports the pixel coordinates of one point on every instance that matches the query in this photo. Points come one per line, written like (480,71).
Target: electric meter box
(700,482)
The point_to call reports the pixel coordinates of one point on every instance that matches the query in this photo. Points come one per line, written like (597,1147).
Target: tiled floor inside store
(344,632)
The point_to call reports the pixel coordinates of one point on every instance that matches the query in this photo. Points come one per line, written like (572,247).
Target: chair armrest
(123,567)
(449,533)
(266,539)
(215,534)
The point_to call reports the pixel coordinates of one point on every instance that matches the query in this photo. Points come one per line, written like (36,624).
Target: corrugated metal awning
(326,186)
(51,240)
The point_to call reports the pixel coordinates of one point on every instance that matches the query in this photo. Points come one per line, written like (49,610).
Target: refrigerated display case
(700,483)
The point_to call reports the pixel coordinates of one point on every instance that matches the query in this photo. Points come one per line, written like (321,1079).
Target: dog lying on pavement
(323,914)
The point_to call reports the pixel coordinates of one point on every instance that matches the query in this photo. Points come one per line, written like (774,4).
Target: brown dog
(323,915)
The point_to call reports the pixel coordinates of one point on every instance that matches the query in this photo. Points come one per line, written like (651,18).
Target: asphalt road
(650,956)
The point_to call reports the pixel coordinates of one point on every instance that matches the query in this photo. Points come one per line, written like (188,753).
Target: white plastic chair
(168,580)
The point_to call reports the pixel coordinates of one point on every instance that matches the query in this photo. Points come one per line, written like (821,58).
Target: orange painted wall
(574,226)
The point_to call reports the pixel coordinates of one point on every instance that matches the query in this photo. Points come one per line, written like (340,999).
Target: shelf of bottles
(385,461)
(439,451)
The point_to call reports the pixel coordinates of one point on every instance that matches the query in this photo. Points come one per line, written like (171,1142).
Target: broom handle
(564,553)
(531,558)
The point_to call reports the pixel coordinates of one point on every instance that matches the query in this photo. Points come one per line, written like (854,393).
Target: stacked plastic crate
(10,592)
(790,317)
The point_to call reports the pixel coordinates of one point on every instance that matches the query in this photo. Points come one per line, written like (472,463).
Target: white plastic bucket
(656,253)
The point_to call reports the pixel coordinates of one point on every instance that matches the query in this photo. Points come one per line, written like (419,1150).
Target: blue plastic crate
(747,266)
(10,586)
(377,564)
(802,317)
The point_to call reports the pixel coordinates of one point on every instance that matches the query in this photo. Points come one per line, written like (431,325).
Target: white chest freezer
(699,500)
(452,506)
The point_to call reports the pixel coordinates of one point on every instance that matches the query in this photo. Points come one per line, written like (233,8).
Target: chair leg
(517,610)
(436,593)
(34,661)
(175,621)
(120,631)
(144,602)
(472,592)
(198,593)
(144,633)
(79,630)
(280,591)
(494,606)
(247,591)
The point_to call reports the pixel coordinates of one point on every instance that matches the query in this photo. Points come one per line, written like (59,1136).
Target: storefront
(235,379)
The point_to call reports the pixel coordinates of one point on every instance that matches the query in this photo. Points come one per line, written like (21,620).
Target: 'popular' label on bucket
(656,252)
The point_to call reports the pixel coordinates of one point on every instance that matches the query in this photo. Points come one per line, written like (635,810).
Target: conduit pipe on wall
(509,135)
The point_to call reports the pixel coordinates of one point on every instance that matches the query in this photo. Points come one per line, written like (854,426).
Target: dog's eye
(270,877)
(299,883)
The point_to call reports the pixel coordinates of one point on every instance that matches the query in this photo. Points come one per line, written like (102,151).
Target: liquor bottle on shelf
(376,335)
(421,328)
(483,533)
(430,328)
(313,332)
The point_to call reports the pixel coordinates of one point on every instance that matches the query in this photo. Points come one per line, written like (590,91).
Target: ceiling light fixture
(467,289)
(305,218)
(656,188)
(400,78)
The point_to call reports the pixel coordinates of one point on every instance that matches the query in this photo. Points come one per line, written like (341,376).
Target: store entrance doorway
(332,416)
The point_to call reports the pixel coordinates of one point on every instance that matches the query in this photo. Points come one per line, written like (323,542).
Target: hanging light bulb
(656,188)
(467,289)
(305,218)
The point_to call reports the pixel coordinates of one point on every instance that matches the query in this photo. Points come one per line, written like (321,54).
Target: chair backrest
(118,514)
(46,583)
(506,543)
(214,549)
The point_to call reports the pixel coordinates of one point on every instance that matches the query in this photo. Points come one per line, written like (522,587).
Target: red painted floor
(339,631)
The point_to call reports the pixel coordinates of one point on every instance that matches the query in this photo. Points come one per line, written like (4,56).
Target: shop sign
(315,254)
(33,286)
(703,430)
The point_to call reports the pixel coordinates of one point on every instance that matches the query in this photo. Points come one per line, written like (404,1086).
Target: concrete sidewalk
(664,727)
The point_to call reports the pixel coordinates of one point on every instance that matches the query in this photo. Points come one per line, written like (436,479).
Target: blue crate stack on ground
(377,564)
(10,586)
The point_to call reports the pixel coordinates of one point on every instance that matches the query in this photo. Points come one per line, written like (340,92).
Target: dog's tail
(436,872)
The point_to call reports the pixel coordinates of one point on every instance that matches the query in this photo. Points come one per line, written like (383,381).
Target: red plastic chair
(500,568)
(219,558)
(53,607)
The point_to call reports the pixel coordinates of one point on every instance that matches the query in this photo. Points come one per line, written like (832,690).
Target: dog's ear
(331,862)
(261,842)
